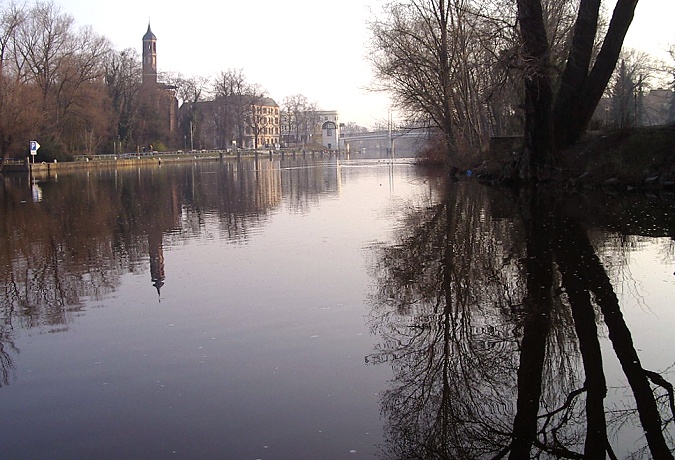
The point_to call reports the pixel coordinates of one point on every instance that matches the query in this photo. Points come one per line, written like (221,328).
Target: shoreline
(132,160)
(622,160)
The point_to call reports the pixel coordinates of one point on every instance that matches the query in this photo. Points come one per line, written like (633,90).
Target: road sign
(34,146)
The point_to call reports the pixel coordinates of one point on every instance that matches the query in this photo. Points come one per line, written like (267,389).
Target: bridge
(376,144)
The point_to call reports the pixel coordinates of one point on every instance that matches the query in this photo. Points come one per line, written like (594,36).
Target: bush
(51,150)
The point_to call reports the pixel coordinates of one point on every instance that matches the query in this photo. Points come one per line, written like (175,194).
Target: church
(158,104)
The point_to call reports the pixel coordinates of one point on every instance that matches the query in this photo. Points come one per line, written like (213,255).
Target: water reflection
(498,312)
(75,243)
(491,310)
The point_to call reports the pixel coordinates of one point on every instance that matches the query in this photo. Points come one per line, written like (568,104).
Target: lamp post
(341,137)
(391,137)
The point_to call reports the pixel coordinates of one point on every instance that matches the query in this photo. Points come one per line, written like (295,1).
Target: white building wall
(330,129)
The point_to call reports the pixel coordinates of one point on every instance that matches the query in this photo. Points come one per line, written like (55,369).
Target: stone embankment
(135,160)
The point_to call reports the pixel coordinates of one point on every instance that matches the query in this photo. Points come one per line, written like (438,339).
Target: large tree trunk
(578,63)
(538,91)
(580,91)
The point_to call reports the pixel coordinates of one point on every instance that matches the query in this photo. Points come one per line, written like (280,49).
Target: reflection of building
(156,253)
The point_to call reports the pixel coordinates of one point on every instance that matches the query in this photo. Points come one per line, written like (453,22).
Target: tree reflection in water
(94,226)
(488,307)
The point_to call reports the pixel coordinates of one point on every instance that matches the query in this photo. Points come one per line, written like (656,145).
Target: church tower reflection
(156,259)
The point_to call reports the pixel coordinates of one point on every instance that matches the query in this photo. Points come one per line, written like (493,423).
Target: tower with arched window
(149,57)
(158,106)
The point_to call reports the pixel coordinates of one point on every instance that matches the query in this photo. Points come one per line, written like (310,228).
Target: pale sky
(291,46)
(652,29)
(288,47)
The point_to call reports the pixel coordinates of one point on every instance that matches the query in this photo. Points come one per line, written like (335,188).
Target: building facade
(262,124)
(313,128)
(232,122)
(329,134)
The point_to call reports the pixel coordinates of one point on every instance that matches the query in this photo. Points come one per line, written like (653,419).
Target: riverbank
(136,160)
(636,158)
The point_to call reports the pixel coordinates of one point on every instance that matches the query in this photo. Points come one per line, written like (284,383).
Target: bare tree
(189,91)
(624,99)
(10,19)
(81,105)
(229,89)
(15,100)
(413,58)
(234,99)
(300,118)
(352,128)
(671,73)
(424,52)
(257,120)
(565,62)
(584,79)
(123,82)
(65,65)
(43,44)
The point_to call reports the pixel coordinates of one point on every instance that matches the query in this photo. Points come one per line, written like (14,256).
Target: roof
(248,99)
(266,102)
(149,35)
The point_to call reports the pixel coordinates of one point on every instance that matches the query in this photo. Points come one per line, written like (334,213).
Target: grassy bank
(623,159)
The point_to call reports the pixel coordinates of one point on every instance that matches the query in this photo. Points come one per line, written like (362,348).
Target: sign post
(34,146)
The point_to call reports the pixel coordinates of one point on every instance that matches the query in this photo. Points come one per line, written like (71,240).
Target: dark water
(309,309)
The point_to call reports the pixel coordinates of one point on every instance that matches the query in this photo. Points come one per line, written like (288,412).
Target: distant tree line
(52,82)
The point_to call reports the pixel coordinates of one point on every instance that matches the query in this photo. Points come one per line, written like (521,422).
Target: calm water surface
(316,308)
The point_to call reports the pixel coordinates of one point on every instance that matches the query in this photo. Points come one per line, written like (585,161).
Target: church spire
(149,56)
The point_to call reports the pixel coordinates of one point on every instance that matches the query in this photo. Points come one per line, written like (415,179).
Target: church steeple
(149,57)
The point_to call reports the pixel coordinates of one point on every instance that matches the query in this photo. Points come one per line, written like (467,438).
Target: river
(312,308)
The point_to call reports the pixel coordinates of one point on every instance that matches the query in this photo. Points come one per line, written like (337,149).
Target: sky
(290,47)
